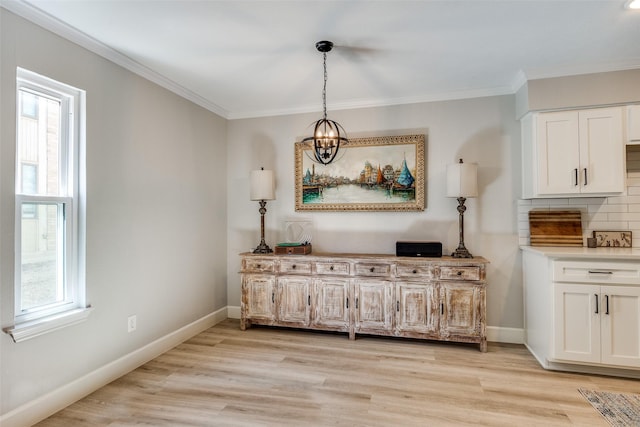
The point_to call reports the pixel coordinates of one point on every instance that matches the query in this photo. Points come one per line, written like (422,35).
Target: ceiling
(258,58)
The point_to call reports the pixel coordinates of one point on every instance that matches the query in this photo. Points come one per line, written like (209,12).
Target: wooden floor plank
(278,377)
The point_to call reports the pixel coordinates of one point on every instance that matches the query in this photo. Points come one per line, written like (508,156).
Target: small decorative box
(293,249)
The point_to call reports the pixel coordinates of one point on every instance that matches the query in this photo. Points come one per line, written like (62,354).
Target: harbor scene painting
(369,174)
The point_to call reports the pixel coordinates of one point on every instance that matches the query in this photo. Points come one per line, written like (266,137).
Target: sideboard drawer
(300,267)
(408,271)
(337,268)
(460,273)
(372,269)
(259,265)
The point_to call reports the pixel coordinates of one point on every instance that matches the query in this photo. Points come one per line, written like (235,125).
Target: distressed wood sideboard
(428,298)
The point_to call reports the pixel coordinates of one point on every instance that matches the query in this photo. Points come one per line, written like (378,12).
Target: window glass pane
(29,178)
(42,255)
(28,105)
(39,144)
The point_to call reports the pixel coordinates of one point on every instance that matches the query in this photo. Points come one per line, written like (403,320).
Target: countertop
(584,252)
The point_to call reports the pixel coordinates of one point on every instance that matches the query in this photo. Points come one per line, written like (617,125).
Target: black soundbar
(419,249)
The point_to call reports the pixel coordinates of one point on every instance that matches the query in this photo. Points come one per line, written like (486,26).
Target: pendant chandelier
(327,134)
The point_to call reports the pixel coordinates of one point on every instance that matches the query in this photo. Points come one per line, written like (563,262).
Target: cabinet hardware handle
(356,303)
(309,299)
(273,297)
(415,271)
(585,176)
(459,273)
(331,268)
(606,299)
(293,266)
(398,306)
(597,310)
(600,272)
(442,308)
(258,266)
(372,269)
(575,171)
(347,302)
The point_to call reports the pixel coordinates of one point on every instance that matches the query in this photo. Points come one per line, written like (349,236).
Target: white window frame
(71,211)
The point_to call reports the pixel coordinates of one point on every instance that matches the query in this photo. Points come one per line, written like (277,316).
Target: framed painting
(383,173)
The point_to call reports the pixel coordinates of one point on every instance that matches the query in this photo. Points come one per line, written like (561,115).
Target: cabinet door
(293,301)
(416,308)
(620,325)
(373,306)
(258,297)
(576,322)
(330,303)
(557,153)
(602,166)
(461,309)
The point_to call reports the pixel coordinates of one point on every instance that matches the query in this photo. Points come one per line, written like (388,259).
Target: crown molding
(373,103)
(48,22)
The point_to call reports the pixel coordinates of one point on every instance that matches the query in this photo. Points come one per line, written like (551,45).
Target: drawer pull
(600,272)
(331,268)
(606,300)
(442,308)
(356,303)
(273,297)
(347,302)
(459,273)
(415,271)
(597,310)
(258,266)
(398,306)
(372,269)
(309,300)
(293,267)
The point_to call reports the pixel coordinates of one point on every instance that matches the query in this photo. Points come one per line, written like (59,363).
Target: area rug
(620,410)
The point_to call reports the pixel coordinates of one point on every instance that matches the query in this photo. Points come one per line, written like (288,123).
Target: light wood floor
(279,377)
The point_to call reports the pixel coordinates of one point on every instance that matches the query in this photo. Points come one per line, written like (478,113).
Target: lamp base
(461,252)
(262,248)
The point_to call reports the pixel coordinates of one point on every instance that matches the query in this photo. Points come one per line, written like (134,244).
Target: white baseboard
(233,312)
(505,335)
(494,333)
(56,400)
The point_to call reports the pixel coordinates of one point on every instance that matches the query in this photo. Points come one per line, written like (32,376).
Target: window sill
(27,330)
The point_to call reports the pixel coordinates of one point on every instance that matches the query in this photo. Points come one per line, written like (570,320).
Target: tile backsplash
(598,213)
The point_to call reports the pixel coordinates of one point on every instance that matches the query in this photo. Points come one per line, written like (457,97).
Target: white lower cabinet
(594,316)
(598,324)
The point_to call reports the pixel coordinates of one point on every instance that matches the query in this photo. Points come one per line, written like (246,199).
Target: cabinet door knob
(415,271)
(459,273)
(372,269)
(293,266)
(331,268)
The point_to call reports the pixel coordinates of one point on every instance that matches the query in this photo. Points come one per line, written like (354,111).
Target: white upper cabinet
(573,153)
(634,124)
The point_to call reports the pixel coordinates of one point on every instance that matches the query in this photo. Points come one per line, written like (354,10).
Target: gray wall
(482,130)
(156,220)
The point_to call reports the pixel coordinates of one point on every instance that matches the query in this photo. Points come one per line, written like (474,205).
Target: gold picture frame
(384,173)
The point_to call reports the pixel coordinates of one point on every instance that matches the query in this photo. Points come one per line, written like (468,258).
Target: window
(49,272)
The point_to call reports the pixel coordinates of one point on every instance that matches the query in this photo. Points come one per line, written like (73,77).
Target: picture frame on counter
(612,239)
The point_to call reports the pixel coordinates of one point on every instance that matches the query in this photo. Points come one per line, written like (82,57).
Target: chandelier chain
(324,88)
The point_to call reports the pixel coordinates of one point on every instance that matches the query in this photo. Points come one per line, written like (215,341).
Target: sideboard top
(319,256)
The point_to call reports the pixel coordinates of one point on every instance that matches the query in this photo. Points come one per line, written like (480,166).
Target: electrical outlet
(132,323)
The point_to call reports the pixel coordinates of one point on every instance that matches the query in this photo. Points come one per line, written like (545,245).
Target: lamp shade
(462,180)
(262,185)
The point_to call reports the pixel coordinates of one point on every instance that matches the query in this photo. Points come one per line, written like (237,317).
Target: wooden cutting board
(555,228)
